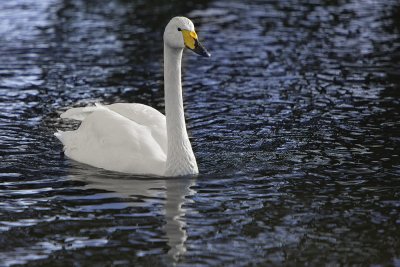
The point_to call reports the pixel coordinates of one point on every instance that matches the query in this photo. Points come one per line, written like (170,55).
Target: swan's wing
(80,113)
(146,116)
(142,114)
(108,140)
(139,113)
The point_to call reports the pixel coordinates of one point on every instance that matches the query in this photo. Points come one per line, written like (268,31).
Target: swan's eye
(179,29)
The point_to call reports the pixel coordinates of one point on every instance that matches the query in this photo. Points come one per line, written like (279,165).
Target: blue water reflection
(294,121)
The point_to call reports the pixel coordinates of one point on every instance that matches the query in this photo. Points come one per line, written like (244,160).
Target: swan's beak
(192,42)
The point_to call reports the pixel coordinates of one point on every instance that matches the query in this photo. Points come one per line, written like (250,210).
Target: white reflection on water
(171,192)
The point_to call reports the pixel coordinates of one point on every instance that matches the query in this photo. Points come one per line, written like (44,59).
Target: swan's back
(128,138)
(146,116)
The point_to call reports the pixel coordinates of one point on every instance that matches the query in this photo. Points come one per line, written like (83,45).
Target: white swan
(135,138)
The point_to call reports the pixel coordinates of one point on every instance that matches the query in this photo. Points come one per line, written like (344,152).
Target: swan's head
(180,33)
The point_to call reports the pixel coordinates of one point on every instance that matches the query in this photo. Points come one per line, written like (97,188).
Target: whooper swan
(135,138)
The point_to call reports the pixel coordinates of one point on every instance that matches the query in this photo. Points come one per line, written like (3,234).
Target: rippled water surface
(294,120)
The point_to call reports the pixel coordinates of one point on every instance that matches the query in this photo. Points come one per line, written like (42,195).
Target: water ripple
(294,121)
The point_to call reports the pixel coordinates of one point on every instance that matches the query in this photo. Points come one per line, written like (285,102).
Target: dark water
(295,123)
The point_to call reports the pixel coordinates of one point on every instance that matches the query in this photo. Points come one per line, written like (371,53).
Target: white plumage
(130,138)
(135,138)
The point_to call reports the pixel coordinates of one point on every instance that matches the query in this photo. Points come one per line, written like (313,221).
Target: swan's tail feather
(60,135)
(66,139)
(80,113)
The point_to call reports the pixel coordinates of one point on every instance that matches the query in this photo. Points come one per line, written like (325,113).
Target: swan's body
(135,138)
(127,138)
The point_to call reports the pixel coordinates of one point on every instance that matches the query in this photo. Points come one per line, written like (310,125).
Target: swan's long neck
(180,157)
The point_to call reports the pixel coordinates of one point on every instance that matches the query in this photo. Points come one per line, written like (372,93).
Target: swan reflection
(171,192)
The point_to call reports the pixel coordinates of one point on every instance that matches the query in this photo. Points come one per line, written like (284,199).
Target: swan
(135,138)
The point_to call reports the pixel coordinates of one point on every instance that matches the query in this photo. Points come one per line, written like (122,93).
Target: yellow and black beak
(192,42)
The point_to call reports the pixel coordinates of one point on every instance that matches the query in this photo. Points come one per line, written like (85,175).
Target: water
(294,120)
